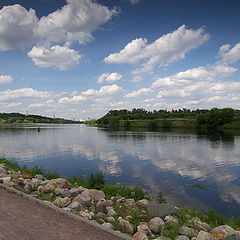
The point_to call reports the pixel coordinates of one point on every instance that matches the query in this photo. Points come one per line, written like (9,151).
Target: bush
(152,125)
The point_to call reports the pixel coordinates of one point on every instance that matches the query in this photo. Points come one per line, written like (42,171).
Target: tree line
(204,118)
(17,118)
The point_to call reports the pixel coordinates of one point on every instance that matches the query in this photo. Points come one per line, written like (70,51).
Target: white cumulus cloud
(138,93)
(13,105)
(194,75)
(5,79)
(17,27)
(137,79)
(109,77)
(166,49)
(74,22)
(55,56)
(91,94)
(22,93)
(228,54)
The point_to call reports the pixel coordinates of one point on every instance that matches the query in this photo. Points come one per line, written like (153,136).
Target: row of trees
(10,118)
(213,118)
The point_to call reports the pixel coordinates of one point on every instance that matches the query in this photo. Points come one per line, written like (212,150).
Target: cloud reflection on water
(155,161)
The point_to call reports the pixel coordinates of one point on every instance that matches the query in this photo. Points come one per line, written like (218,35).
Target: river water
(190,169)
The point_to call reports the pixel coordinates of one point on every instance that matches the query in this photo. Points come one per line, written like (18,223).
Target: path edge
(61,211)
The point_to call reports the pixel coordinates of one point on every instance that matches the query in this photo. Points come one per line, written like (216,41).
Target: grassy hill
(18,118)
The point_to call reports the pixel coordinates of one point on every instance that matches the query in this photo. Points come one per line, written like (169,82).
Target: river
(190,169)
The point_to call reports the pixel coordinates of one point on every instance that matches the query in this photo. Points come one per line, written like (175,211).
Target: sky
(79,59)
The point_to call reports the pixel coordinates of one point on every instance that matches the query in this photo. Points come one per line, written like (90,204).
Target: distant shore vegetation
(18,118)
(215,118)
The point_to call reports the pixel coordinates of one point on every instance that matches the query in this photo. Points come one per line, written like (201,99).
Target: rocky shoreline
(140,219)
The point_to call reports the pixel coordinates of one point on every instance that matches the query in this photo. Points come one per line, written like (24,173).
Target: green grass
(97,181)
(213,218)
(24,169)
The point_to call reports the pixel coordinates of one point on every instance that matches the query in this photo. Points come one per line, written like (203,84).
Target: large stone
(108,225)
(218,235)
(36,182)
(224,228)
(140,236)
(182,237)
(58,191)
(197,223)
(81,189)
(3,171)
(130,202)
(56,183)
(27,176)
(161,210)
(102,205)
(190,232)
(155,224)
(6,179)
(171,220)
(142,203)
(162,238)
(145,229)
(86,214)
(94,194)
(111,219)
(74,192)
(100,215)
(232,237)
(202,235)
(28,187)
(111,213)
(74,206)
(84,200)
(125,226)
(39,176)
(66,193)
(10,184)
(62,202)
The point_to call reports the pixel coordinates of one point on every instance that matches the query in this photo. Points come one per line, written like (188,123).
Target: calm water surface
(175,163)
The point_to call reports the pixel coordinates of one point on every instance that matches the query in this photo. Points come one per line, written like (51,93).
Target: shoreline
(130,212)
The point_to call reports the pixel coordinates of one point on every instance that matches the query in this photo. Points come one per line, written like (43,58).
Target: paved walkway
(23,219)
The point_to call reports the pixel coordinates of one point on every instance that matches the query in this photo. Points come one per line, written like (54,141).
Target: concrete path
(25,219)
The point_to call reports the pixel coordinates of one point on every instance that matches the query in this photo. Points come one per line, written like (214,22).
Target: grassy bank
(97,181)
(93,181)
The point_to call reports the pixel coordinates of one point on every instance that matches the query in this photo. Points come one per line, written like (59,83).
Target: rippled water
(201,171)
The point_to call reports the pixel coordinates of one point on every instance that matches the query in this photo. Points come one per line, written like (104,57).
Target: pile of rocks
(153,220)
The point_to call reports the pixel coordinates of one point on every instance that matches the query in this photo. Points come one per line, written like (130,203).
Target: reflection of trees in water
(226,137)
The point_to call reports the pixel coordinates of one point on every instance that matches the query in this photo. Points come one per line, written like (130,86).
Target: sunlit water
(175,163)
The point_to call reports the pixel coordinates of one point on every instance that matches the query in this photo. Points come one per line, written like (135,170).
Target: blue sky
(82,58)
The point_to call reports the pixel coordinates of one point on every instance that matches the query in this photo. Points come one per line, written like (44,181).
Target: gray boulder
(232,237)
(155,224)
(66,193)
(161,210)
(74,206)
(94,194)
(224,228)
(202,235)
(3,171)
(84,200)
(74,192)
(182,237)
(190,232)
(108,225)
(140,236)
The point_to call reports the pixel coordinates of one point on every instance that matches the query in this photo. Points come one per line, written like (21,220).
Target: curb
(61,211)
